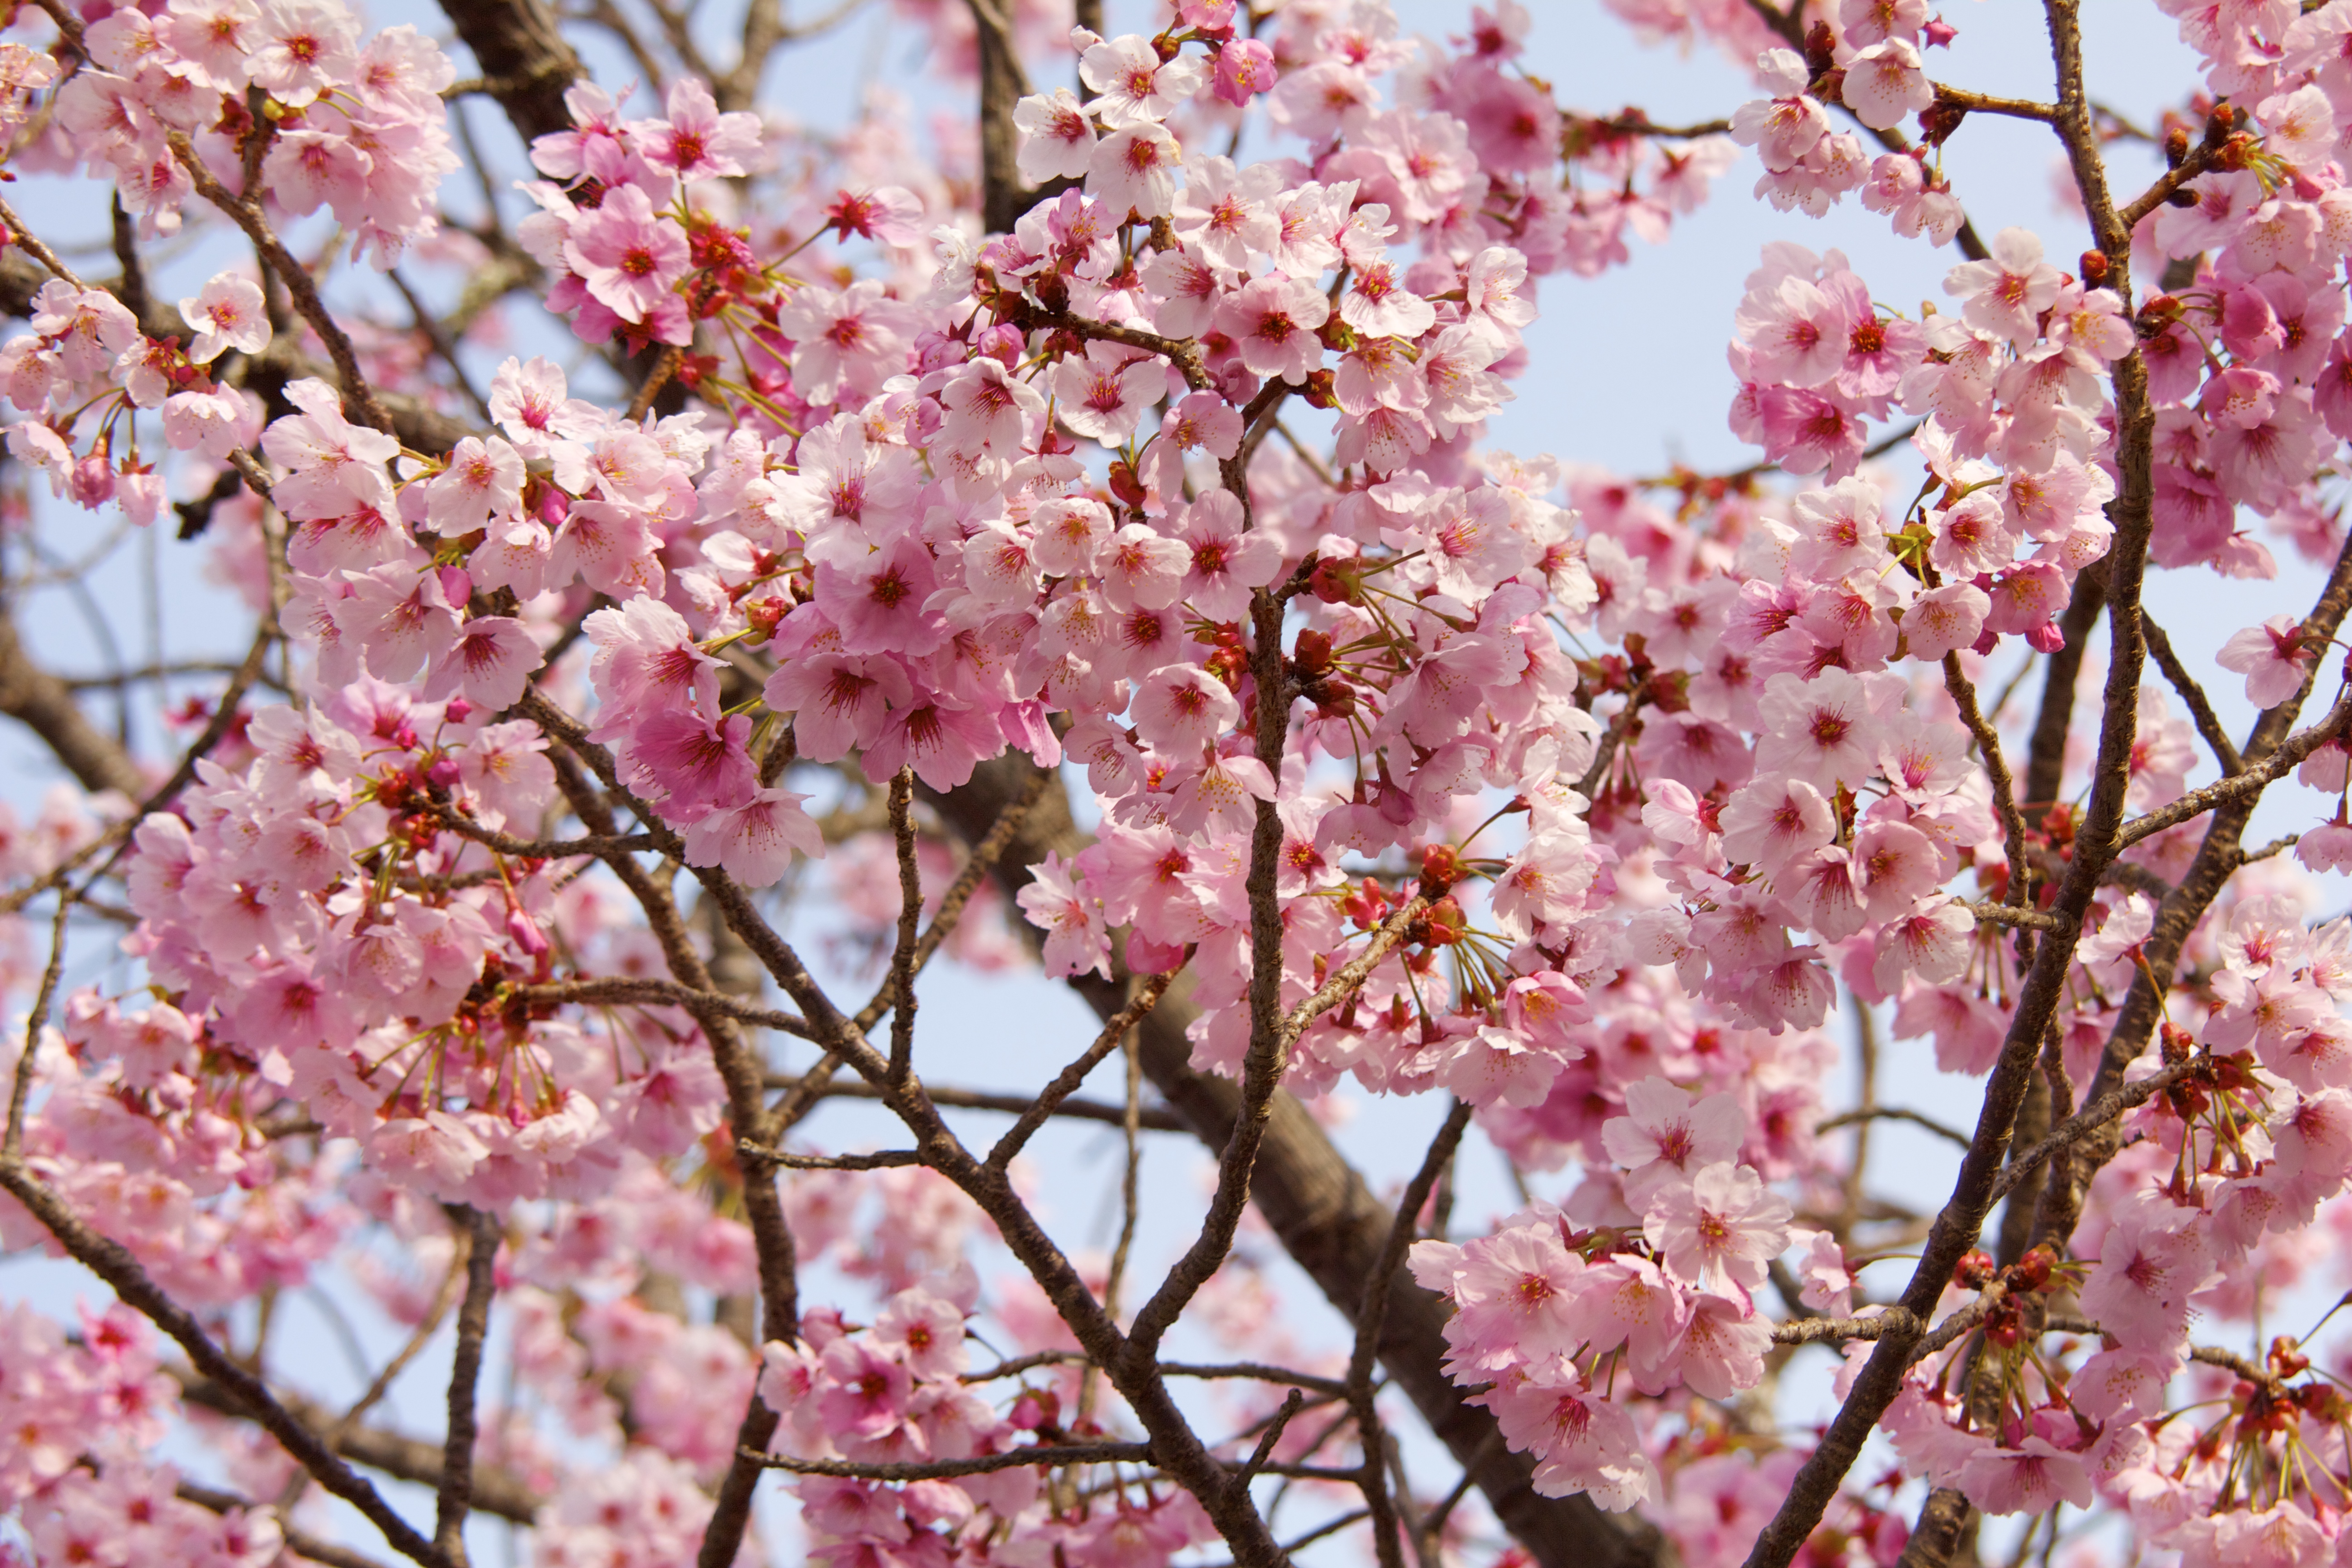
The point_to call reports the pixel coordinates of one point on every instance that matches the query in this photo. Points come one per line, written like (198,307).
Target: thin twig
(1813,1330)
(883,1159)
(30,243)
(1130,1199)
(443,345)
(299,286)
(1986,103)
(454,1498)
(911,914)
(2200,709)
(2004,788)
(1351,976)
(1066,1083)
(427,1326)
(661,993)
(1892,1114)
(2011,915)
(2104,1109)
(2257,777)
(20,1091)
(1292,1404)
(978,1465)
(1149,1117)
(1374,1316)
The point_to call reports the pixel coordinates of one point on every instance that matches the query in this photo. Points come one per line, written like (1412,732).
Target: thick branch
(46,705)
(2097,842)
(526,62)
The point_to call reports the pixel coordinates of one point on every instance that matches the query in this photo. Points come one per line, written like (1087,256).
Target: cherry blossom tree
(798,562)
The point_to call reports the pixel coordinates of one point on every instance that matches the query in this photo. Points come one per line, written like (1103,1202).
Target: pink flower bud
(526,933)
(1244,68)
(93,481)
(1003,340)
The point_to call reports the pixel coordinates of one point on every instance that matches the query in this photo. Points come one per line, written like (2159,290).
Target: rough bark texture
(1001,201)
(525,62)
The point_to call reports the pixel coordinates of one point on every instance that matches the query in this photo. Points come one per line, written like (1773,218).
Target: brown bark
(525,62)
(395,1454)
(1002,195)
(46,705)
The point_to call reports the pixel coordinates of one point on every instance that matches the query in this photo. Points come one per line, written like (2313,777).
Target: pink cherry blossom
(2274,658)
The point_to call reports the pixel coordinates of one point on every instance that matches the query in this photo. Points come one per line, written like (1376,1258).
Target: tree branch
(2200,709)
(1321,1210)
(112,1262)
(1369,1435)
(455,1496)
(2246,785)
(1149,1117)
(525,62)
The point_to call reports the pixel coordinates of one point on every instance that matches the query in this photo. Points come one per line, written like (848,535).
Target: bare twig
(978,1465)
(660,993)
(1986,103)
(2256,777)
(20,1091)
(2004,789)
(1369,1322)
(426,1327)
(2105,1108)
(2011,915)
(1893,1113)
(30,243)
(2200,708)
(1150,1118)
(455,1496)
(1815,1331)
(1065,1082)
(910,913)
(1292,1402)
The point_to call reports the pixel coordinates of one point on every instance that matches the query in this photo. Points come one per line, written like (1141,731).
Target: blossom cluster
(79,1415)
(1547,1314)
(1581,807)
